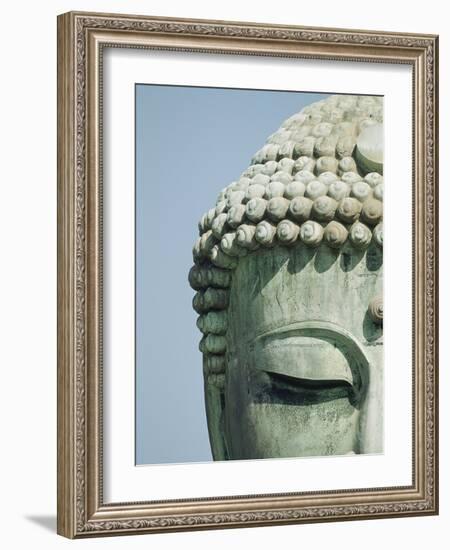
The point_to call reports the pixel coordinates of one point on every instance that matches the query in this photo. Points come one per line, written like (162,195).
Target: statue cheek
(274,420)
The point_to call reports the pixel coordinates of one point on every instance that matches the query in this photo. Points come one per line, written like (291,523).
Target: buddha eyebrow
(312,326)
(275,343)
(316,329)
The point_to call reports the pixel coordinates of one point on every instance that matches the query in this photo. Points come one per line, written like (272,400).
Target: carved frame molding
(81,37)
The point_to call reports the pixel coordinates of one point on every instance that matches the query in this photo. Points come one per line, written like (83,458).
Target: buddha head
(288,279)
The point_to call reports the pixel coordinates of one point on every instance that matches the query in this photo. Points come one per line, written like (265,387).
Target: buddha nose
(371,415)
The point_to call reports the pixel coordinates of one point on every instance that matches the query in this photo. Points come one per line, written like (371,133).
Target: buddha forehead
(276,288)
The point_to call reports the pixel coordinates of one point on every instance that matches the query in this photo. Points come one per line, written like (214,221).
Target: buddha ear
(215,407)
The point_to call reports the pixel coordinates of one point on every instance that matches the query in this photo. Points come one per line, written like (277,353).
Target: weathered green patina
(288,269)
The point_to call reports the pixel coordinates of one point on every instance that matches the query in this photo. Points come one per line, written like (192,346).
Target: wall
(28,299)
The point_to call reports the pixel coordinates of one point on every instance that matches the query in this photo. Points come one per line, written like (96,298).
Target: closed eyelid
(308,384)
(305,359)
(312,353)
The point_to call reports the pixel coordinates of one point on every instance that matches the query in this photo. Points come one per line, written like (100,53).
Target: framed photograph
(247,326)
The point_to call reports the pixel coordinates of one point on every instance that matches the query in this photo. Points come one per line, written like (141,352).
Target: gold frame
(81,38)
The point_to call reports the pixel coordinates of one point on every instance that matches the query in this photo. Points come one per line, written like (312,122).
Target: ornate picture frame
(82,39)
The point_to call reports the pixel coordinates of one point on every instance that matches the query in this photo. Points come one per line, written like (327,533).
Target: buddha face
(304,373)
(288,274)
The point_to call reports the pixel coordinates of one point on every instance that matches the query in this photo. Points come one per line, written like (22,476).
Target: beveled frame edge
(80,508)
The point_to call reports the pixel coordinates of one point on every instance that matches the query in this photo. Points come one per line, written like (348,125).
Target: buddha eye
(307,361)
(308,383)
(289,389)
